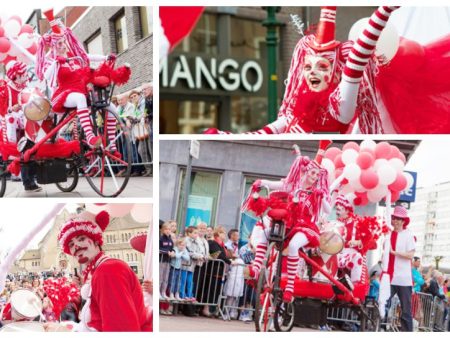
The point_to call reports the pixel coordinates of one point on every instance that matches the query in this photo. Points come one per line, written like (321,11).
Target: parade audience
(180,257)
(417,275)
(166,252)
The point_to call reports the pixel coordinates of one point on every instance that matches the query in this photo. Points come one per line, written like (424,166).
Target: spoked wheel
(284,317)
(372,322)
(107,174)
(266,298)
(72,178)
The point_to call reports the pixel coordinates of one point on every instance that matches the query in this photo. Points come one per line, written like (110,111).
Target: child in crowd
(166,252)
(180,257)
(374,290)
(187,270)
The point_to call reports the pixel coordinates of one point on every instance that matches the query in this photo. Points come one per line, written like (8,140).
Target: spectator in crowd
(145,105)
(247,254)
(417,275)
(215,270)
(403,246)
(47,310)
(166,252)
(180,257)
(200,269)
(187,270)
(37,288)
(232,244)
(209,233)
(436,285)
(138,130)
(374,290)
(173,229)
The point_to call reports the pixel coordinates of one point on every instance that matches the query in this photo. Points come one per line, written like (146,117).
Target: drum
(332,238)
(25,304)
(23,327)
(37,108)
(329,263)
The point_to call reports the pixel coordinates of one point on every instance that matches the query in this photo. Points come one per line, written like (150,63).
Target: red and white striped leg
(292,267)
(83,115)
(253,270)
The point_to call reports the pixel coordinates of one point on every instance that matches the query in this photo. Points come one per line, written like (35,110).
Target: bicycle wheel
(284,317)
(107,175)
(72,178)
(266,298)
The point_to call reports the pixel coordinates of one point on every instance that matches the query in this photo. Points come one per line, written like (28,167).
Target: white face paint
(341,212)
(83,249)
(317,72)
(311,176)
(61,47)
(22,79)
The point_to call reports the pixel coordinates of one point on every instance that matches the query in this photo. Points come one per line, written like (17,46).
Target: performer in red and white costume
(114,298)
(403,246)
(323,91)
(311,180)
(66,68)
(350,257)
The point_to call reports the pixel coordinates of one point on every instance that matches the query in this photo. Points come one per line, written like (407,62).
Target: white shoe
(172,297)
(162,297)
(177,297)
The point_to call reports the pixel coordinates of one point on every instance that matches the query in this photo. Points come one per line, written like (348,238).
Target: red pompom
(102,219)
(350,265)
(257,205)
(121,75)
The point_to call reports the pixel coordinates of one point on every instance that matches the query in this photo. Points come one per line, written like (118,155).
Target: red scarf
(390,270)
(90,267)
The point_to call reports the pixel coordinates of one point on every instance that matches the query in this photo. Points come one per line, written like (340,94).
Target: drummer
(350,257)
(11,109)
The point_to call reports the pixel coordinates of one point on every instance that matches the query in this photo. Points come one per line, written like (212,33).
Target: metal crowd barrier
(342,314)
(422,310)
(208,284)
(238,296)
(440,315)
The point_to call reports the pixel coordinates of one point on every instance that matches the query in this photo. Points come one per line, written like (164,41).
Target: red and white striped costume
(332,110)
(350,257)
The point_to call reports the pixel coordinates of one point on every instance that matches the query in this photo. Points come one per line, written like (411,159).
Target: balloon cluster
(370,170)
(141,213)
(61,292)
(13,33)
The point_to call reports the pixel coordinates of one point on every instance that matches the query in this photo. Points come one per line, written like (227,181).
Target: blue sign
(199,210)
(409,195)
(246,227)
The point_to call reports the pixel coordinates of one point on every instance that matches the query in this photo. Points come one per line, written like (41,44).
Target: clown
(113,295)
(350,257)
(323,90)
(66,68)
(308,180)
(12,97)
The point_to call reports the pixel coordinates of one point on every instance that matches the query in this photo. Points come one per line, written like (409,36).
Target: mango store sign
(211,74)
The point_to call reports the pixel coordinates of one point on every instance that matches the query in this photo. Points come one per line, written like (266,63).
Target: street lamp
(272,41)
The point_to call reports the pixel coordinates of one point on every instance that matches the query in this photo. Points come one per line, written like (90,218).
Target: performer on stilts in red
(66,68)
(310,181)
(325,90)
(113,294)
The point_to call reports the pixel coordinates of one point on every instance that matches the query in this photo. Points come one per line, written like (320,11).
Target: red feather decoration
(258,205)
(121,75)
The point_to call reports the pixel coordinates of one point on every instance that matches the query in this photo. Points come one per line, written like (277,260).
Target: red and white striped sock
(111,130)
(261,250)
(74,129)
(85,121)
(292,267)
(365,45)
(4,133)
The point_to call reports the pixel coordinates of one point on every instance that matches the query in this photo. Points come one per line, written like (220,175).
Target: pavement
(182,323)
(136,187)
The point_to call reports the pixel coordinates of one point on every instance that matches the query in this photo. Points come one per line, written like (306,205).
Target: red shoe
(115,153)
(211,131)
(95,141)
(288,297)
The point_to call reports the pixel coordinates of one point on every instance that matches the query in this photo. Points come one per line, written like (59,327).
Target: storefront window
(248,38)
(146,20)
(120,26)
(192,116)
(202,203)
(203,38)
(248,113)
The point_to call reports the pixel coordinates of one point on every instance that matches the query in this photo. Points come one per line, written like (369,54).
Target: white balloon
(349,156)
(346,189)
(381,162)
(397,164)
(25,40)
(357,29)
(376,194)
(328,165)
(3,56)
(388,43)
(356,184)
(142,213)
(12,28)
(352,172)
(368,144)
(409,180)
(14,51)
(24,59)
(386,174)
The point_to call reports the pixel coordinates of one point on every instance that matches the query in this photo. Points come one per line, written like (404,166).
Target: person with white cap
(113,294)
(403,246)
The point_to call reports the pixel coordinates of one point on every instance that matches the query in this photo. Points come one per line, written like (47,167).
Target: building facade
(49,257)
(217,77)
(430,222)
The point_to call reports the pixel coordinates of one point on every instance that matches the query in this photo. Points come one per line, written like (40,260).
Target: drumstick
(33,302)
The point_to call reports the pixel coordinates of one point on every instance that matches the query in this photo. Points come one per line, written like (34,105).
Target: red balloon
(361,198)
(409,57)
(369,179)
(332,152)
(383,150)
(338,172)
(395,195)
(5,45)
(8,58)
(33,48)
(351,145)
(26,29)
(338,161)
(365,160)
(369,151)
(2,31)
(395,152)
(399,184)
(402,157)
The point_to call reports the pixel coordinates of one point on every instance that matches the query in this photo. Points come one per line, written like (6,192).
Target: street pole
(272,42)
(187,185)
